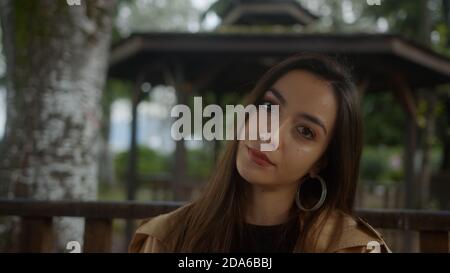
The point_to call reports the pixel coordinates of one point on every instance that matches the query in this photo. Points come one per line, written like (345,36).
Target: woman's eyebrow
(313,119)
(278,95)
(306,116)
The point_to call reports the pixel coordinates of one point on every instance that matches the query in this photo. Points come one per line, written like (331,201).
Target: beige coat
(357,235)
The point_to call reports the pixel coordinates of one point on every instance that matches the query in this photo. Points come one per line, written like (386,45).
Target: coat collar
(339,231)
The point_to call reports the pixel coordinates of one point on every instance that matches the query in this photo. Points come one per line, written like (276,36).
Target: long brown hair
(211,222)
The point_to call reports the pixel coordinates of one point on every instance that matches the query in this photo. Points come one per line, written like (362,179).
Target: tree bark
(56,58)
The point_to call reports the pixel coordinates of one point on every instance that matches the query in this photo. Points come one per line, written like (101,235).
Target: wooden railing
(37,229)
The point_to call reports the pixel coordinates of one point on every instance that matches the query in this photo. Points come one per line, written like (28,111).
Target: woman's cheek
(298,162)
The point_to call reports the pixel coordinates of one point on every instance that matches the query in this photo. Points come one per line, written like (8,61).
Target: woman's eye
(305,132)
(267,105)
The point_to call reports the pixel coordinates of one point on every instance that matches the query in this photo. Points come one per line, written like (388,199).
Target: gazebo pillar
(216,143)
(406,97)
(132,175)
(175,76)
(361,86)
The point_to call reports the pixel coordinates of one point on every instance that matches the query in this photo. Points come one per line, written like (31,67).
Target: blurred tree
(115,89)
(201,162)
(153,163)
(156,15)
(412,19)
(382,122)
(426,22)
(56,57)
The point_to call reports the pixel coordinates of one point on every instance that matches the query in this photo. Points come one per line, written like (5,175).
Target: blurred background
(86,91)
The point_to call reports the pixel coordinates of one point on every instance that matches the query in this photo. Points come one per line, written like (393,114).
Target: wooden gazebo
(265,12)
(214,62)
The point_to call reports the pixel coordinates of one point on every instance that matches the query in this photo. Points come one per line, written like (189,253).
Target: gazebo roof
(265,12)
(230,62)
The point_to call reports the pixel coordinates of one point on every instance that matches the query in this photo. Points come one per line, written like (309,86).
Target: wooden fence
(37,218)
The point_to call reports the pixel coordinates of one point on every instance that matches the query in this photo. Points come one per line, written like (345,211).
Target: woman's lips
(259,158)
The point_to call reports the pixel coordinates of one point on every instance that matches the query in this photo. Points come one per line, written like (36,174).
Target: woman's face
(307,114)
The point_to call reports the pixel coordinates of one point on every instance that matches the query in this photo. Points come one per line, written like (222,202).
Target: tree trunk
(56,57)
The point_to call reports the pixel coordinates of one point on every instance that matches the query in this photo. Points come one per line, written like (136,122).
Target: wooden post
(406,97)
(217,142)
(409,157)
(434,242)
(36,235)
(133,151)
(362,86)
(132,182)
(97,235)
(423,181)
(176,78)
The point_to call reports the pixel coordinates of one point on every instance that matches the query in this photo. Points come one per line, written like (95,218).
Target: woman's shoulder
(343,232)
(152,233)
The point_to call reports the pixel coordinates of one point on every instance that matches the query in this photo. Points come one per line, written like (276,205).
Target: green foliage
(155,15)
(200,163)
(403,15)
(382,165)
(118,89)
(219,7)
(442,45)
(409,19)
(376,167)
(383,119)
(150,162)
(373,166)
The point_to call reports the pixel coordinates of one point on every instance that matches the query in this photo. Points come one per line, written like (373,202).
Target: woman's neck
(269,206)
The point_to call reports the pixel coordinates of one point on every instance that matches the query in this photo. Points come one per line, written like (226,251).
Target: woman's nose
(282,132)
(275,135)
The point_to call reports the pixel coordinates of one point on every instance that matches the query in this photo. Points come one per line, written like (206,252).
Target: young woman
(297,198)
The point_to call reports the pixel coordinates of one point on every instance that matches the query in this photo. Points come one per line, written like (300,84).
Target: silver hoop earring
(322,196)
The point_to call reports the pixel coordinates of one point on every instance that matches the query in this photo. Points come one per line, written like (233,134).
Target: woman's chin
(255,177)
